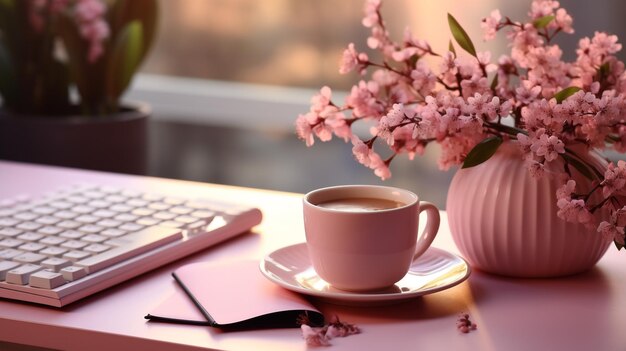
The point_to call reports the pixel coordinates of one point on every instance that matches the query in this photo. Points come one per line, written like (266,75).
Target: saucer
(434,271)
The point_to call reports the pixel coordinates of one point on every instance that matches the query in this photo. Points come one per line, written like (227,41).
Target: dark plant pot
(114,143)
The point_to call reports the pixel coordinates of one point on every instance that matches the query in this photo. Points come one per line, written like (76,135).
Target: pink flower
(548,147)
(314,336)
(351,60)
(490,24)
(90,17)
(610,232)
(574,211)
(362,100)
(423,79)
(614,179)
(566,191)
(371,13)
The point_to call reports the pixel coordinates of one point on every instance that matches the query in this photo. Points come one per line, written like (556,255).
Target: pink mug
(364,237)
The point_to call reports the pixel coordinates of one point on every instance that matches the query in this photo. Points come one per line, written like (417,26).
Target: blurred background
(227,78)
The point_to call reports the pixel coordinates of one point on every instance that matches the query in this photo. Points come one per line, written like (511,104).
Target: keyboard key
(159,206)
(30,236)
(83,209)
(75,255)
(66,214)
(8,222)
(6,266)
(172,224)
(46,280)
(7,203)
(44,210)
(72,273)
(8,254)
(109,223)
(185,219)
(87,219)
(26,216)
(29,226)
(126,217)
(94,238)
(131,227)
(116,198)
(7,212)
(50,230)
(152,197)
(32,247)
(10,243)
(55,263)
(99,204)
(113,232)
(10,232)
(74,244)
(203,214)
(48,220)
(136,203)
(174,201)
(96,248)
(148,221)
(91,228)
(21,274)
(180,210)
(129,246)
(121,208)
(69,224)
(164,215)
(52,240)
(77,199)
(61,205)
(53,251)
(143,212)
(72,234)
(104,213)
(29,257)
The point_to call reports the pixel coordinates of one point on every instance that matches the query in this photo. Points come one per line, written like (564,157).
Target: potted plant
(532,197)
(64,65)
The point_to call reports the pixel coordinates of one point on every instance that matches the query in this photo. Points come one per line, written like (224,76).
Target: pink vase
(504,221)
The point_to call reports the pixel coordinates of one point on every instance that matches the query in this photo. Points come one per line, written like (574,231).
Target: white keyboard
(62,247)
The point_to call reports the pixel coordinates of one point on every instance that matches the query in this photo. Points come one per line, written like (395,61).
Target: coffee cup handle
(431,229)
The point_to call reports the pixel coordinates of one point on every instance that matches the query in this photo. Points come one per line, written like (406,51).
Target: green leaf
(461,36)
(542,22)
(125,59)
(145,11)
(482,151)
(451,48)
(565,93)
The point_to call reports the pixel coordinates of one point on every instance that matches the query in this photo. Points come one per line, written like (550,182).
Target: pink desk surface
(583,312)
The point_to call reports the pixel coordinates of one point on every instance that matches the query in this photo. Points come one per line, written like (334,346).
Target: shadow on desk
(540,298)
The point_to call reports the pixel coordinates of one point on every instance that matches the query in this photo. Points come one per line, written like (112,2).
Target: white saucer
(434,271)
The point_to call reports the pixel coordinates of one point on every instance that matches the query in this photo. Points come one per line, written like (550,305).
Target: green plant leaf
(565,93)
(145,11)
(125,59)
(451,48)
(461,36)
(482,151)
(542,22)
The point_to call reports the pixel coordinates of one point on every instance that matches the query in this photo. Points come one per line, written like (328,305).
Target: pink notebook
(232,295)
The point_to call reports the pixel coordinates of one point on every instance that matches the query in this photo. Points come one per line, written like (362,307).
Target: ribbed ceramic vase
(504,221)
